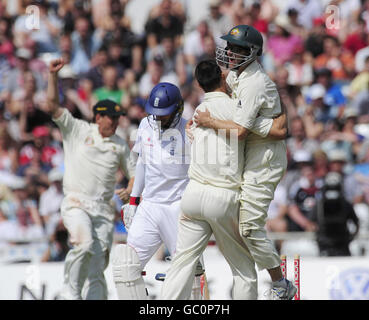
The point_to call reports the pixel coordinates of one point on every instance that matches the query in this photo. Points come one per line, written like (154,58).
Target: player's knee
(127,273)
(126,264)
(85,245)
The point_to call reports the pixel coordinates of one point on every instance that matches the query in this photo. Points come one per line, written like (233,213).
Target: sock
(281,283)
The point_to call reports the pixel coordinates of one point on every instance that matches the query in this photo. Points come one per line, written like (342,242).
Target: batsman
(265,158)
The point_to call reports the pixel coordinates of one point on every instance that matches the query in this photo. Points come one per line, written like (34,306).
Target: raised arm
(53,105)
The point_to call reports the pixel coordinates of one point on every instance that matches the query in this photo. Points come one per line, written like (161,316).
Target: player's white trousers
(265,165)
(206,210)
(153,225)
(90,229)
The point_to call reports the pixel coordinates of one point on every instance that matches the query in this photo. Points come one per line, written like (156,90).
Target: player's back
(166,158)
(216,159)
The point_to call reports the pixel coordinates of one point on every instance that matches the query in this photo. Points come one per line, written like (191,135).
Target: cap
(337,155)
(108,107)
(302,156)
(317,91)
(24,53)
(41,131)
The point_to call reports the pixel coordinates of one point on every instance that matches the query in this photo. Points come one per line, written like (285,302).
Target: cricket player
(265,158)
(160,177)
(93,155)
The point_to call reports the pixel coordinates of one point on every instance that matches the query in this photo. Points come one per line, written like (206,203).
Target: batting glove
(128,211)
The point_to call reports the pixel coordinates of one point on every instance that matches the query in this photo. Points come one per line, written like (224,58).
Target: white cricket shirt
(91,161)
(166,156)
(257,95)
(216,159)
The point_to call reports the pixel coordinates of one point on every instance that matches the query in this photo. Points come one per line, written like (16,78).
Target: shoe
(278,293)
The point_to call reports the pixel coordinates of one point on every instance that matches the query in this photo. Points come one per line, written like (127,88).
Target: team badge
(156,102)
(117,108)
(235,32)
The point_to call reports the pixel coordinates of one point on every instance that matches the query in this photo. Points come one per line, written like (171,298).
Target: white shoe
(278,293)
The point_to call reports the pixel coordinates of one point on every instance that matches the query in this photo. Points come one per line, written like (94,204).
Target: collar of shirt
(248,72)
(96,134)
(215,94)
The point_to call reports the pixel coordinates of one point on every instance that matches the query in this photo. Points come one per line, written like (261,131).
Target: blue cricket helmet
(165,98)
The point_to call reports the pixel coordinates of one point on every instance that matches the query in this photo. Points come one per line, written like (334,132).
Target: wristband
(134,201)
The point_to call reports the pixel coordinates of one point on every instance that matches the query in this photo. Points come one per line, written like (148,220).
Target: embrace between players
(183,202)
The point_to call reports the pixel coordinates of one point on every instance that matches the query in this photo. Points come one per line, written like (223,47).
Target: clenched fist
(56,65)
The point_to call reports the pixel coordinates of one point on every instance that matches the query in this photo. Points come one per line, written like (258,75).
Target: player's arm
(279,128)
(53,105)
(128,210)
(204,119)
(273,128)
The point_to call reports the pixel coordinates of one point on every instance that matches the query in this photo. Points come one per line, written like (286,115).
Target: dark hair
(208,75)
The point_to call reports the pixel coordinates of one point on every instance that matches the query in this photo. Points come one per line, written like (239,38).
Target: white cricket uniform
(166,158)
(265,159)
(210,204)
(91,163)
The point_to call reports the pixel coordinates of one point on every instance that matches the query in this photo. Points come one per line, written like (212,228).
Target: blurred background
(316,51)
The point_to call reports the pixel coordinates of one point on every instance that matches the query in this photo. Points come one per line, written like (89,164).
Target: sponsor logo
(235,32)
(352,284)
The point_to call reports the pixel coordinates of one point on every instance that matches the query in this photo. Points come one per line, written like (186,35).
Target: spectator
(340,62)
(298,139)
(173,58)
(315,38)
(44,34)
(164,24)
(282,43)
(31,116)
(8,152)
(155,74)
(302,200)
(16,78)
(28,224)
(50,201)
(360,82)
(84,45)
(318,113)
(6,44)
(337,163)
(110,89)
(307,10)
(334,96)
(321,169)
(358,39)
(193,46)
(300,70)
(58,245)
(218,23)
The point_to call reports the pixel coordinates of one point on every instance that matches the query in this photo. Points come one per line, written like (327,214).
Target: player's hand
(189,130)
(123,194)
(203,119)
(56,65)
(128,211)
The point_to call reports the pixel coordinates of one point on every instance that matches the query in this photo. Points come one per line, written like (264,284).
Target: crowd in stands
(321,70)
